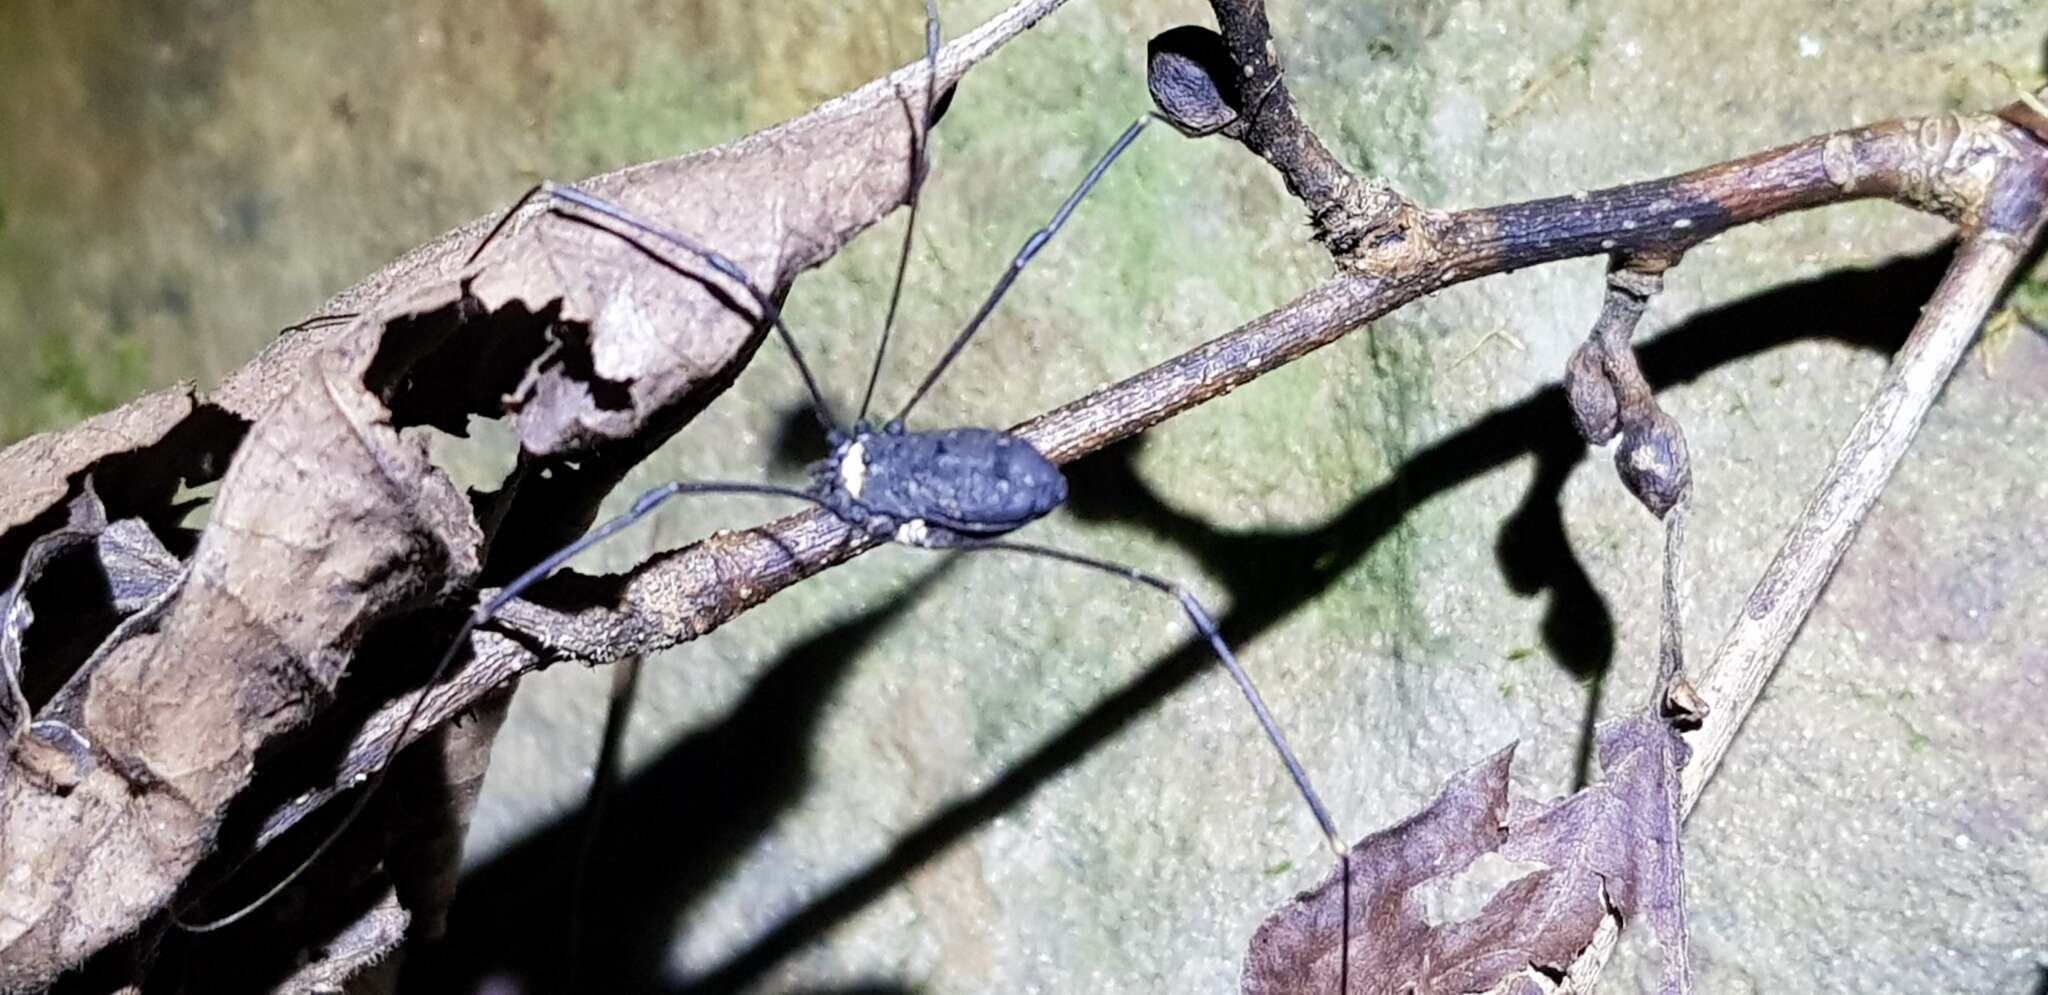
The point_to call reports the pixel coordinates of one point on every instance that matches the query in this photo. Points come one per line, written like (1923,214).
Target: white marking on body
(912,533)
(853,468)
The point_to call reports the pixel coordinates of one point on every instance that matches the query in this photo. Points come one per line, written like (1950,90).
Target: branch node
(1365,224)
(1958,161)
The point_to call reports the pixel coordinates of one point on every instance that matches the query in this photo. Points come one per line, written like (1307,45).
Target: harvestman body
(947,489)
(934,488)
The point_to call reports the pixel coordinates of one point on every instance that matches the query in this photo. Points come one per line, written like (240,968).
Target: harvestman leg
(485,612)
(919,164)
(1031,246)
(320,321)
(1205,625)
(731,270)
(711,257)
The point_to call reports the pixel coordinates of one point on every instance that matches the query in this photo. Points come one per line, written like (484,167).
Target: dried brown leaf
(41,470)
(425,859)
(776,204)
(1616,843)
(1612,846)
(328,521)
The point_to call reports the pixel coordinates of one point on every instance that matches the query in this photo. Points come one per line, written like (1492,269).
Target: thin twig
(1786,593)
(1671,616)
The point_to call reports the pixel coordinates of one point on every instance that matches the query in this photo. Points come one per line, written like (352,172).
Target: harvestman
(938,489)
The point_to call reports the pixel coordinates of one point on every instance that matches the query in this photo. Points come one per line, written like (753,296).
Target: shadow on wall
(680,823)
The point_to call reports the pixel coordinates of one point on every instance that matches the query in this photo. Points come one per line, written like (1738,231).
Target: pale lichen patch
(853,468)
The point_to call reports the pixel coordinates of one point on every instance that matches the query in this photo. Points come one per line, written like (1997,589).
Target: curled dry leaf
(1610,848)
(427,843)
(328,521)
(128,568)
(136,457)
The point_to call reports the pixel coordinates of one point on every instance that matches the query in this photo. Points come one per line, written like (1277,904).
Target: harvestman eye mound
(962,489)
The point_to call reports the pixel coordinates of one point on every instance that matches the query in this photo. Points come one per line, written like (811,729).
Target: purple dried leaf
(1616,844)
(1611,847)
(1297,948)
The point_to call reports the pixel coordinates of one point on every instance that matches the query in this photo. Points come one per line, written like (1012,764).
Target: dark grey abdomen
(971,480)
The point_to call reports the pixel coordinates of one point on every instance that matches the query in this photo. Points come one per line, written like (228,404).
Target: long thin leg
(642,507)
(918,164)
(1207,627)
(319,321)
(504,221)
(710,257)
(1031,246)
